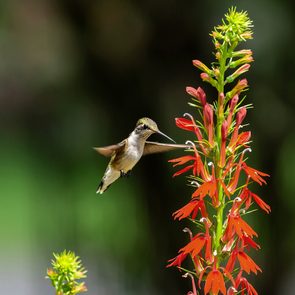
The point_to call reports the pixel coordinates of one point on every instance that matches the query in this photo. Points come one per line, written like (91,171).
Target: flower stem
(219,170)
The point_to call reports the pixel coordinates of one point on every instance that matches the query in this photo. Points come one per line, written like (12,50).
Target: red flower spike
(219,142)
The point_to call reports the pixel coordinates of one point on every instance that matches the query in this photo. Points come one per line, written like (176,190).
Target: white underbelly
(132,157)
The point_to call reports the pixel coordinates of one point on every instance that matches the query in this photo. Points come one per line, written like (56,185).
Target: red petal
(183,170)
(176,261)
(261,203)
(184,124)
(247,264)
(243,138)
(195,246)
(256,175)
(181,160)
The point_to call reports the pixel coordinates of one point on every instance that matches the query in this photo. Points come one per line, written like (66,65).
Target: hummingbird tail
(100,188)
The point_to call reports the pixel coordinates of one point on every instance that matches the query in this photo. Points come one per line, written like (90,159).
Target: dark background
(77,74)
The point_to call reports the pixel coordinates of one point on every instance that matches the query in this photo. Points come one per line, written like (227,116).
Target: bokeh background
(77,74)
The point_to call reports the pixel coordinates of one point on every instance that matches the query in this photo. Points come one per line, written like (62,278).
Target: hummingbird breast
(127,158)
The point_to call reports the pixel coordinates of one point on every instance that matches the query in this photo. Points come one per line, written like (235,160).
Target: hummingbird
(126,154)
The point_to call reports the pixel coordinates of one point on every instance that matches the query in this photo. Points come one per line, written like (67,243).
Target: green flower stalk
(220,198)
(66,270)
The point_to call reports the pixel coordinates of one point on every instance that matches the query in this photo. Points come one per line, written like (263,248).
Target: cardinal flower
(191,209)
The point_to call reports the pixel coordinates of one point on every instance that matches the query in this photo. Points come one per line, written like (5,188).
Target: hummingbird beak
(163,134)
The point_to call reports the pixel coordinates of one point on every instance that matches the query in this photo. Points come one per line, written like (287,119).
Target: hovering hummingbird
(128,152)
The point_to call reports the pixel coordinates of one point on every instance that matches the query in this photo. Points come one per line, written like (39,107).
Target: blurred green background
(77,74)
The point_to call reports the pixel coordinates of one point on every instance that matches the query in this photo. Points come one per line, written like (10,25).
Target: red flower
(195,246)
(197,93)
(252,173)
(209,187)
(236,225)
(181,161)
(184,124)
(245,286)
(248,242)
(256,175)
(246,262)
(243,138)
(189,125)
(192,209)
(176,261)
(247,196)
(215,283)
(197,166)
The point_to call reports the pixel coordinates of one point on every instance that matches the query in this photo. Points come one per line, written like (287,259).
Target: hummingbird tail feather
(100,188)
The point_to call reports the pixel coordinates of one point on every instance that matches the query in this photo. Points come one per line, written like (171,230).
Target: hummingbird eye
(145,126)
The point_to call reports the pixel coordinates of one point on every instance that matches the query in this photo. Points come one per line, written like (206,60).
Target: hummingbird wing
(157,147)
(109,150)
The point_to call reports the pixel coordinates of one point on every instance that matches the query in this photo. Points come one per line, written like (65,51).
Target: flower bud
(241,114)
(241,70)
(208,115)
(242,52)
(224,130)
(205,77)
(233,102)
(201,66)
(197,93)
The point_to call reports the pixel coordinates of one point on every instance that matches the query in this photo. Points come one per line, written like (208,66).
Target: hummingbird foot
(125,174)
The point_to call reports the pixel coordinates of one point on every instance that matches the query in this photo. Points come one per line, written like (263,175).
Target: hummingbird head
(146,127)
